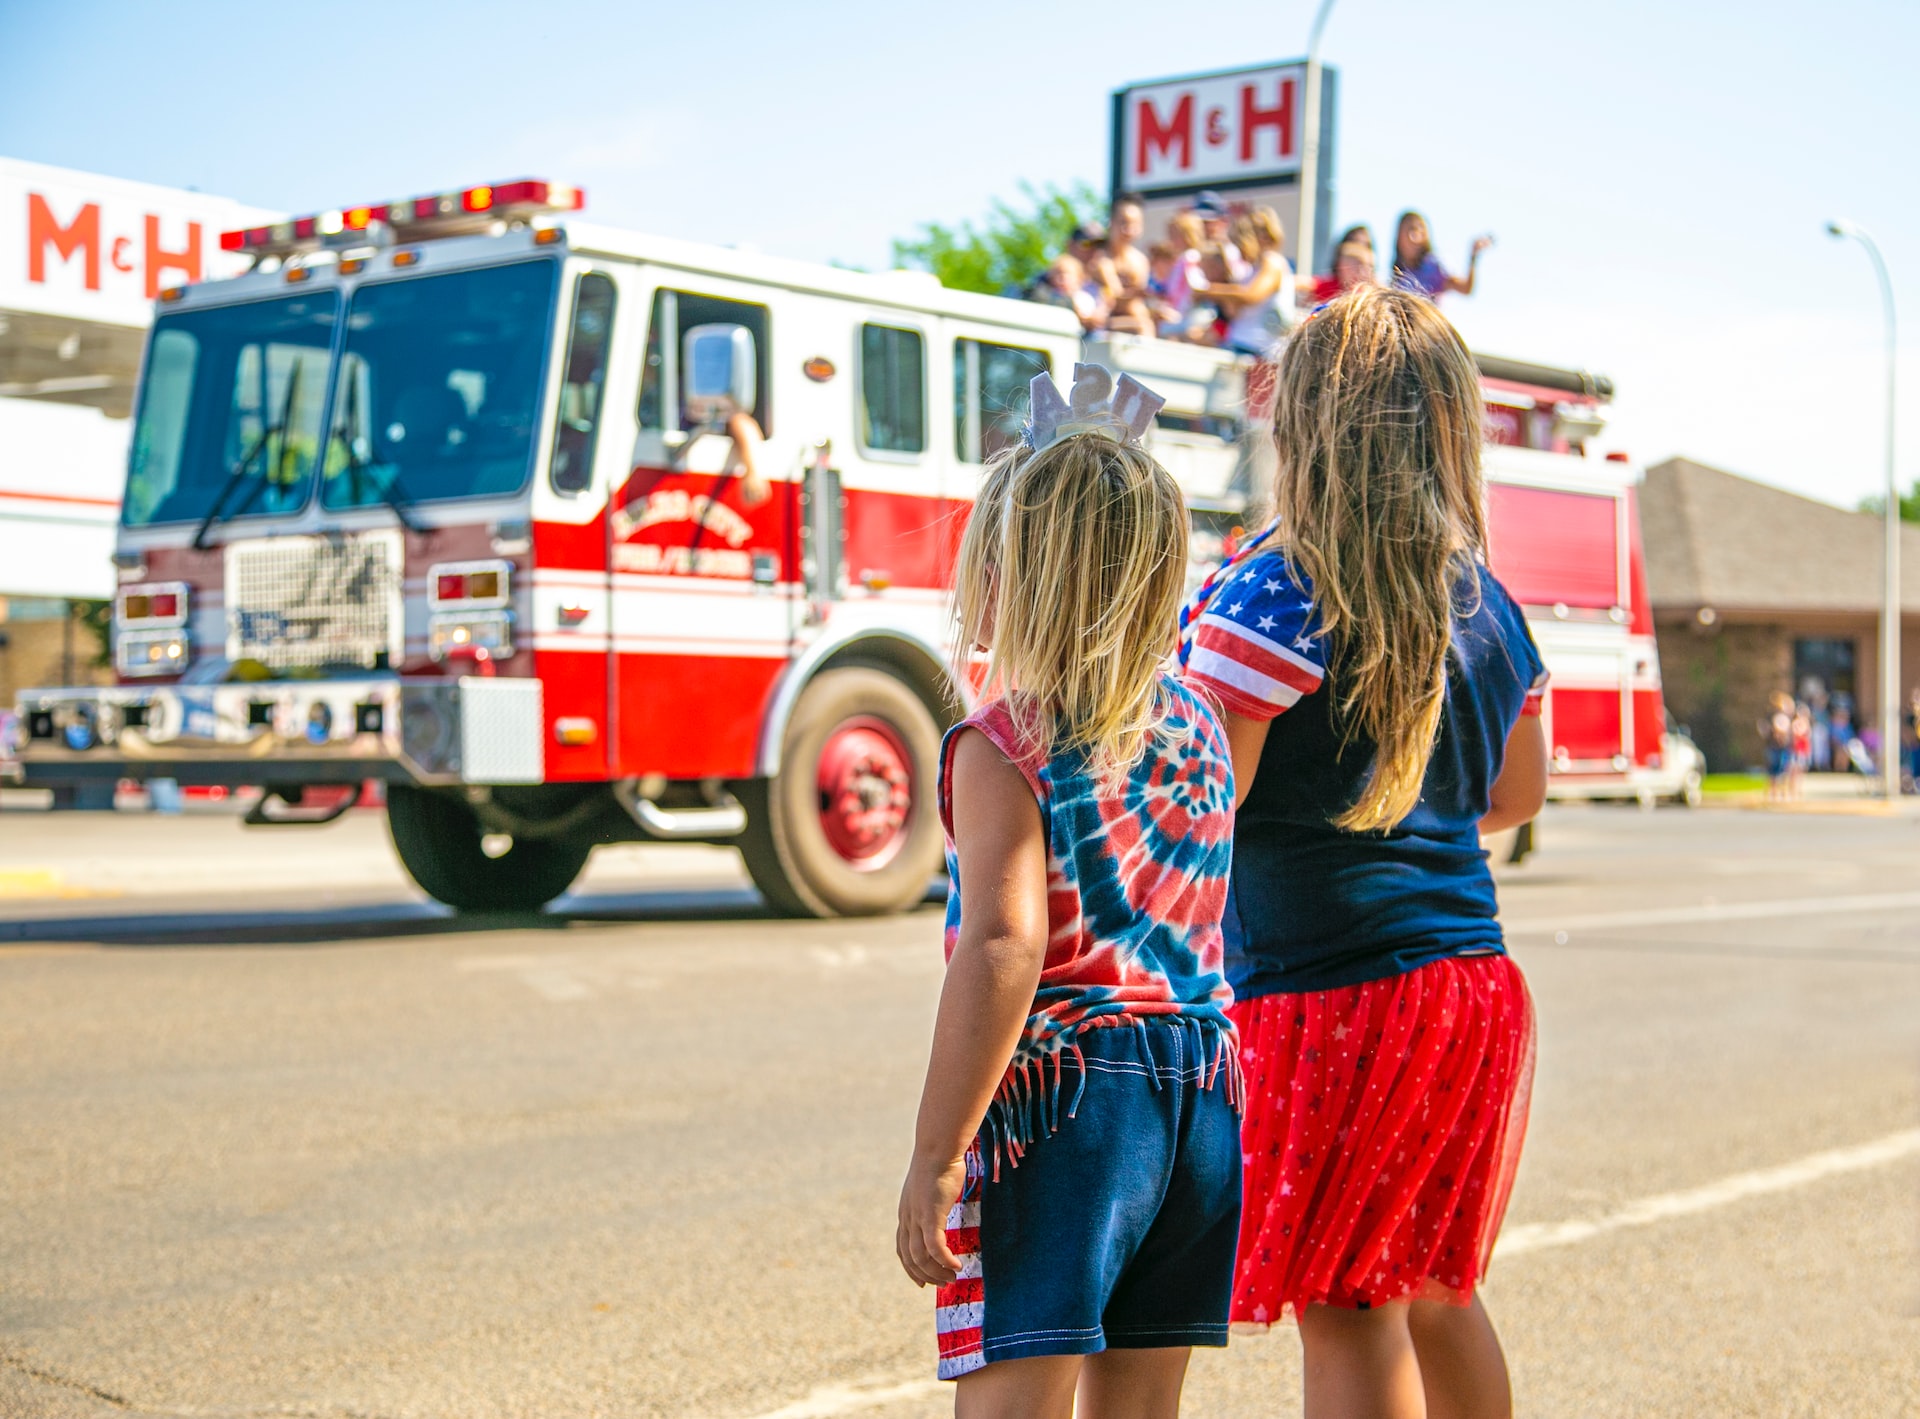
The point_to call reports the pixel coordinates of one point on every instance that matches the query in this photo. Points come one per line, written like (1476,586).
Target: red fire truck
(454,494)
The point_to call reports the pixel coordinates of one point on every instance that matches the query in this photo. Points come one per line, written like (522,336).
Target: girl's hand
(926,1198)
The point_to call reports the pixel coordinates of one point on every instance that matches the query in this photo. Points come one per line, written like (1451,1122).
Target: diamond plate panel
(502,731)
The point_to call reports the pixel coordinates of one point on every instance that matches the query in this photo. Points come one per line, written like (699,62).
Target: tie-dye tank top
(1136,884)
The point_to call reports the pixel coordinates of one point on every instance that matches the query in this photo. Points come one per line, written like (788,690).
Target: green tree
(1909,504)
(1010,246)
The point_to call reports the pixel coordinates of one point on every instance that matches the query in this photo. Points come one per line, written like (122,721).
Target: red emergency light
(460,213)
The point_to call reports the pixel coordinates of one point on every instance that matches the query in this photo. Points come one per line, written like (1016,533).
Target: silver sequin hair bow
(1121,409)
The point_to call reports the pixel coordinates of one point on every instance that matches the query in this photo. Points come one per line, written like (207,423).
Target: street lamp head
(1840,227)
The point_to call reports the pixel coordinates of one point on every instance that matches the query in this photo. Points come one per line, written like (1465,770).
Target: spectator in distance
(1262,305)
(1352,267)
(1913,760)
(1164,277)
(1417,269)
(1777,730)
(1119,268)
(1219,260)
(1066,281)
(1187,285)
(1355,242)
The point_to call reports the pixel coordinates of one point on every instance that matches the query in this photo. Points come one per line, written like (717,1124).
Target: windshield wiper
(389,489)
(246,462)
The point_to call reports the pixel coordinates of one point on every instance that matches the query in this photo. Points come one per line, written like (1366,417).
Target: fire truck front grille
(308,602)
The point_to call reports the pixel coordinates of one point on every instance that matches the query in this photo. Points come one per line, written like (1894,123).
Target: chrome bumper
(475,729)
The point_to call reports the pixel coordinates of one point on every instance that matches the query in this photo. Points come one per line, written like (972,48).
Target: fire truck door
(699,534)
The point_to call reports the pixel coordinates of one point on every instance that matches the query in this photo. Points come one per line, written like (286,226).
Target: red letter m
(43,230)
(1163,136)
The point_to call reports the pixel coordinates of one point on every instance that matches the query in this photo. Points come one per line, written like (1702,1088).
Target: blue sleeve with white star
(1254,645)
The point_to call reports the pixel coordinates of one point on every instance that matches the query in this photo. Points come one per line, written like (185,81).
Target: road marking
(852,956)
(562,979)
(1538,1236)
(32,882)
(830,1400)
(1720,911)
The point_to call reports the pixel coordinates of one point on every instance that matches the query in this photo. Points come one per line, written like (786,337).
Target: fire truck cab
(568,535)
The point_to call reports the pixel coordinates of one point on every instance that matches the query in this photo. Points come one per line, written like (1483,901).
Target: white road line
(830,1400)
(1537,1236)
(1719,911)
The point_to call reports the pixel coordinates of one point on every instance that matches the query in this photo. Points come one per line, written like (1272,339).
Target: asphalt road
(277,1138)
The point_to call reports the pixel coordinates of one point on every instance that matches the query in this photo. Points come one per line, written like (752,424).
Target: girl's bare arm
(1521,789)
(1245,739)
(988,994)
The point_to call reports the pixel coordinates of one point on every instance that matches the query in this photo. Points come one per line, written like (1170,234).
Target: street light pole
(1310,148)
(1890,603)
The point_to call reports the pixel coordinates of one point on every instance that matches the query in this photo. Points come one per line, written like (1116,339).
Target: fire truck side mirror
(718,373)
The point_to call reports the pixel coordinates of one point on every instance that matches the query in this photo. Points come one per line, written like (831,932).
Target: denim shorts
(1116,1230)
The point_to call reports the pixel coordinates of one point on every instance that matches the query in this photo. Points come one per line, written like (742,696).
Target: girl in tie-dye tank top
(1074,1191)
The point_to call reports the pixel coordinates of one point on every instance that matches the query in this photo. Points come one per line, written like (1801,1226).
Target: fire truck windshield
(438,393)
(232,402)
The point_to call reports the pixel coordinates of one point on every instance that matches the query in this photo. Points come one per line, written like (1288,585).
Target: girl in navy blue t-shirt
(1381,696)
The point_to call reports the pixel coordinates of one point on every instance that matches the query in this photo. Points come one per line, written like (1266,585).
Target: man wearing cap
(1220,259)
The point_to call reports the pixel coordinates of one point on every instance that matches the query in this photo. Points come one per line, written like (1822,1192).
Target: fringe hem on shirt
(1027,1104)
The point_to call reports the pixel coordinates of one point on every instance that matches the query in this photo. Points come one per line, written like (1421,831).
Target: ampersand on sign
(1216,127)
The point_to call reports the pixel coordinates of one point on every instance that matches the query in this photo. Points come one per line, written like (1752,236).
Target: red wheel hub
(866,792)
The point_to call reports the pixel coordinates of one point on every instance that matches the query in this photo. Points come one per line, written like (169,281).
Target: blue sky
(1657,174)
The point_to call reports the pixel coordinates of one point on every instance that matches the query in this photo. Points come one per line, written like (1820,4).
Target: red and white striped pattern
(1536,699)
(1252,674)
(961,1318)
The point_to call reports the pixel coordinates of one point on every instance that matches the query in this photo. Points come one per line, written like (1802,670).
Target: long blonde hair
(1071,573)
(1380,504)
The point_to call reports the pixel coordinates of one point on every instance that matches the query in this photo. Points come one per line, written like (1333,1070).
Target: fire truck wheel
(849,827)
(441,844)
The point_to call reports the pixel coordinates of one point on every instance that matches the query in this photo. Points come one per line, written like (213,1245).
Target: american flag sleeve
(1536,695)
(1253,646)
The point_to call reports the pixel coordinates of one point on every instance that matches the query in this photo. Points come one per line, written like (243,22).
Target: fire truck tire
(439,842)
(849,827)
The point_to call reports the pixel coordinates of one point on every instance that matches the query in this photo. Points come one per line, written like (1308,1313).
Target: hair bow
(1121,409)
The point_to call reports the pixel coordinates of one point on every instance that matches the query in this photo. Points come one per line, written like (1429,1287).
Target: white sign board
(1239,132)
(99,248)
(1212,130)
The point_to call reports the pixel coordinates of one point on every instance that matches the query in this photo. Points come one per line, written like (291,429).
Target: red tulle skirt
(1381,1131)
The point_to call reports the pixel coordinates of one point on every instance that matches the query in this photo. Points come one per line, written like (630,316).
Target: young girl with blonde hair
(1380,691)
(1075,1184)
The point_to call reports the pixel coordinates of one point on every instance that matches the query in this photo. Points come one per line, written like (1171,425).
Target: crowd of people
(1817,733)
(1220,275)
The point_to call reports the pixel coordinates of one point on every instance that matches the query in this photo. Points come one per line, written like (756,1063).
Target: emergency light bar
(471,209)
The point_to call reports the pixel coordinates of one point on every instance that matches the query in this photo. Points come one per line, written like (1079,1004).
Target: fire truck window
(232,401)
(990,396)
(673,314)
(578,419)
(893,390)
(438,394)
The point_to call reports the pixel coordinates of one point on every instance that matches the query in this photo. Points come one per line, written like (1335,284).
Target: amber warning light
(460,213)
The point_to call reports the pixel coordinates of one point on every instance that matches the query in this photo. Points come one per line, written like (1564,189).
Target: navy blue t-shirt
(1313,907)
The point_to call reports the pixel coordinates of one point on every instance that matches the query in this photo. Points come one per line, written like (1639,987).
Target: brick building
(1756,590)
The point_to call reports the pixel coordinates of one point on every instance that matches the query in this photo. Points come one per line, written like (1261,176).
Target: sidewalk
(1825,794)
